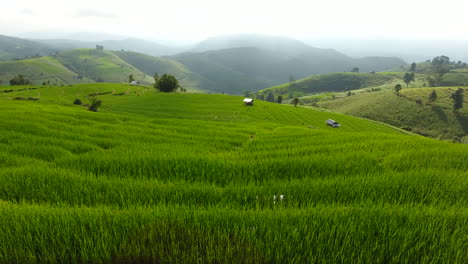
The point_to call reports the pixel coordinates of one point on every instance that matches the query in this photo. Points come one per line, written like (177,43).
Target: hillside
(235,70)
(101,66)
(128,44)
(187,178)
(332,82)
(17,48)
(151,65)
(91,65)
(39,70)
(429,119)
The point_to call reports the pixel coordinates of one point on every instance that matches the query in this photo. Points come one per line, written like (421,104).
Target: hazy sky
(183,20)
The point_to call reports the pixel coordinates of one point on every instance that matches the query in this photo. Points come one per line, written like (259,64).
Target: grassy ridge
(39,70)
(190,177)
(430,119)
(102,66)
(332,82)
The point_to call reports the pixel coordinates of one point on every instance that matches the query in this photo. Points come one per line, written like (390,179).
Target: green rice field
(195,178)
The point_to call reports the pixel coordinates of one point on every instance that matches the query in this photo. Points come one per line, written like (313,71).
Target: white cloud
(188,19)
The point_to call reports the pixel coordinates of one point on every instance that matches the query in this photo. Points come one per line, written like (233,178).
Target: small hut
(135,83)
(332,123)
(248,101)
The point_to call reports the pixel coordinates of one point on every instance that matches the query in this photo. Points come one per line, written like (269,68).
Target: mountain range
(230,64)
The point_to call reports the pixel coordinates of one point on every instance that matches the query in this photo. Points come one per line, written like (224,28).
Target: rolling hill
(184,178)
(39,70)
(331,82)
(91,65)
(128,44)
(239,69)
(17,48)
(434,119)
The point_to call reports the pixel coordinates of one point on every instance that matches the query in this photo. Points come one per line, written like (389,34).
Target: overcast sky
(183,20)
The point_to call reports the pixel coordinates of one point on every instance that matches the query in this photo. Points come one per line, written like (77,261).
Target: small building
(248,101)
(135,83)
(332,123)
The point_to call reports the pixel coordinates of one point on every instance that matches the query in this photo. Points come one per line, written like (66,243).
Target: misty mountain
(283,45)
(254,68)
(130,44)
(16,48)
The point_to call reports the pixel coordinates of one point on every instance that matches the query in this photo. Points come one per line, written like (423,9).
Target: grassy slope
(190,177)
(103,65)
(150,65)
(39,70)
(332,82)
(434,120)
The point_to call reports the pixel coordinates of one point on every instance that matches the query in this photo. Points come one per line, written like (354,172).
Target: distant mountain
(40,70)
(129,44)
(283,45)
(330,82)
(151,65)
(252,62)
(17,48)
(91,65)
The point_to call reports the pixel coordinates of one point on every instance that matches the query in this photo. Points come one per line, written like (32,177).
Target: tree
(292,79)
(99,47)
(95,104)
(270,97)
(457,97)
(408,78)
(247,93)
(432,97)
(279,99)
(355,69)
(130,78)
(260,97)
(20,80)
(413,66)
(397,89)
(295,101)
(440,65)
(156,79)
(168,83)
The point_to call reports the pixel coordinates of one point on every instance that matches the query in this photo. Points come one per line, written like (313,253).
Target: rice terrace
(272,132)
(187,178)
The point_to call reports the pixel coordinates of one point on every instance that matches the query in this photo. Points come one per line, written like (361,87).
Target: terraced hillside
(101,66)
(331,82)
(39,70)
(151,65)
(434,119)
(185,178)
(91,65)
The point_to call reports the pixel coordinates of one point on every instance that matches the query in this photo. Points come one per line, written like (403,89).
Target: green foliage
(95,104)
(77,102)
(270,97)
(194,178)
(433,96)
(440,65)
(20,80)
(457,98)
(279,100)
(130,78)
(408,78)
(295,101)
(355,69)
(413,67)
(397,89)
(167,83)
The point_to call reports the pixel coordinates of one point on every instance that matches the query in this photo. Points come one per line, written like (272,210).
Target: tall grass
(203,179)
